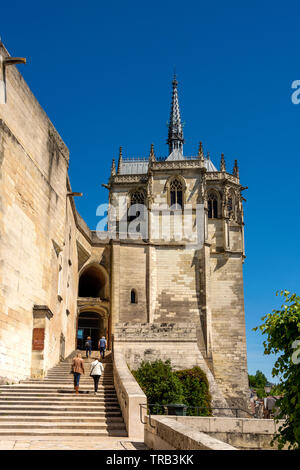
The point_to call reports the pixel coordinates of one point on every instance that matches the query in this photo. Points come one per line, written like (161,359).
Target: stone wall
(228,326)
(242,433)
(132,275)
(174,341)
(38,249)
(177,285)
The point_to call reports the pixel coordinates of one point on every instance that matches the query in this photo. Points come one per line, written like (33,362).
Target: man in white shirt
(96,371)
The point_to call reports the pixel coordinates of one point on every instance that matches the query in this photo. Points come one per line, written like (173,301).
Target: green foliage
(195,391)
(258,382)
(162,386)
(282,329)
(260,392)
(159,383)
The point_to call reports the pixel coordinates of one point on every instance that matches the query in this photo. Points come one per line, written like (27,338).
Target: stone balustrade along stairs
(49,406)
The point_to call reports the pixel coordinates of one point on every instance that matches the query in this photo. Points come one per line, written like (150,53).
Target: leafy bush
(195,391)
(162,386)
(260,392)
(159,383)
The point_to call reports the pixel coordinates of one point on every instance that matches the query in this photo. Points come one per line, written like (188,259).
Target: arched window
(137,197)
(212,205)
(176,193)
(133,296)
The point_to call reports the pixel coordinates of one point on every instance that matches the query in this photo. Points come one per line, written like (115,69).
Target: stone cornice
(42,311)
(221,177)
(176,164)
(129,179)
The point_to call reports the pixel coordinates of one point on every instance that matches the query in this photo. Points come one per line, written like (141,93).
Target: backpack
(87,344)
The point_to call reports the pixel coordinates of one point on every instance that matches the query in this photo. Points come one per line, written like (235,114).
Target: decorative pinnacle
(200,151)
(113,168)
(175,133)
(152,154)
(201,154)
(236,169)
(120,160)
(223,166)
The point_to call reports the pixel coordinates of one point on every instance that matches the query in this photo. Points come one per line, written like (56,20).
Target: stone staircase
(49,407)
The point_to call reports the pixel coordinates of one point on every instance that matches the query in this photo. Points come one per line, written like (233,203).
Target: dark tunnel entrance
(92,283)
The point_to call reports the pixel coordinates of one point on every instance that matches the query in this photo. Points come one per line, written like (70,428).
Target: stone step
(62,418)
(70,377)
(87,397)
(60,383)
(53,394)
(59,407)
(55,413)
(67,377)
(64,401)
(36,433)
(49,407)
(66,394)
(59,425)
(68,366)
(46,386)
(108,368)
(61,375)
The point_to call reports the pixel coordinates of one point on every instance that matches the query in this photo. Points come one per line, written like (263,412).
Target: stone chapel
(153,296)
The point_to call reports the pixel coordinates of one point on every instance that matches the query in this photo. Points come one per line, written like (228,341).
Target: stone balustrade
(130,396)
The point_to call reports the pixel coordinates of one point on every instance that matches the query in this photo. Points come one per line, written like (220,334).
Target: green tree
(282,330)
(195,391)
(259,380)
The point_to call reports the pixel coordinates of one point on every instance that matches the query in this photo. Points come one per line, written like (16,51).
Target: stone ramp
(49,407)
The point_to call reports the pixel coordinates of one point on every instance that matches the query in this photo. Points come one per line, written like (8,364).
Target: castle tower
(174,299)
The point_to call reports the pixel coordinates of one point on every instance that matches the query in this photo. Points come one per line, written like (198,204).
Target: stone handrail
(165,433)
(130,396)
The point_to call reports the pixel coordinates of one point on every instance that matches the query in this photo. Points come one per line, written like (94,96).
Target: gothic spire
(175,134)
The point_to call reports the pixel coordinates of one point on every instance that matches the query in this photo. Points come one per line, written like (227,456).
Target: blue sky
(102,71)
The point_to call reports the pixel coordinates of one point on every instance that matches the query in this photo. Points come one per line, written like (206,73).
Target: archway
(93,282)
(90,324)
(93,305)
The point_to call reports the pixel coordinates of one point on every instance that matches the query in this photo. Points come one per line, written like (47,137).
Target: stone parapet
(165,433)
(243,433)
(130,396)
